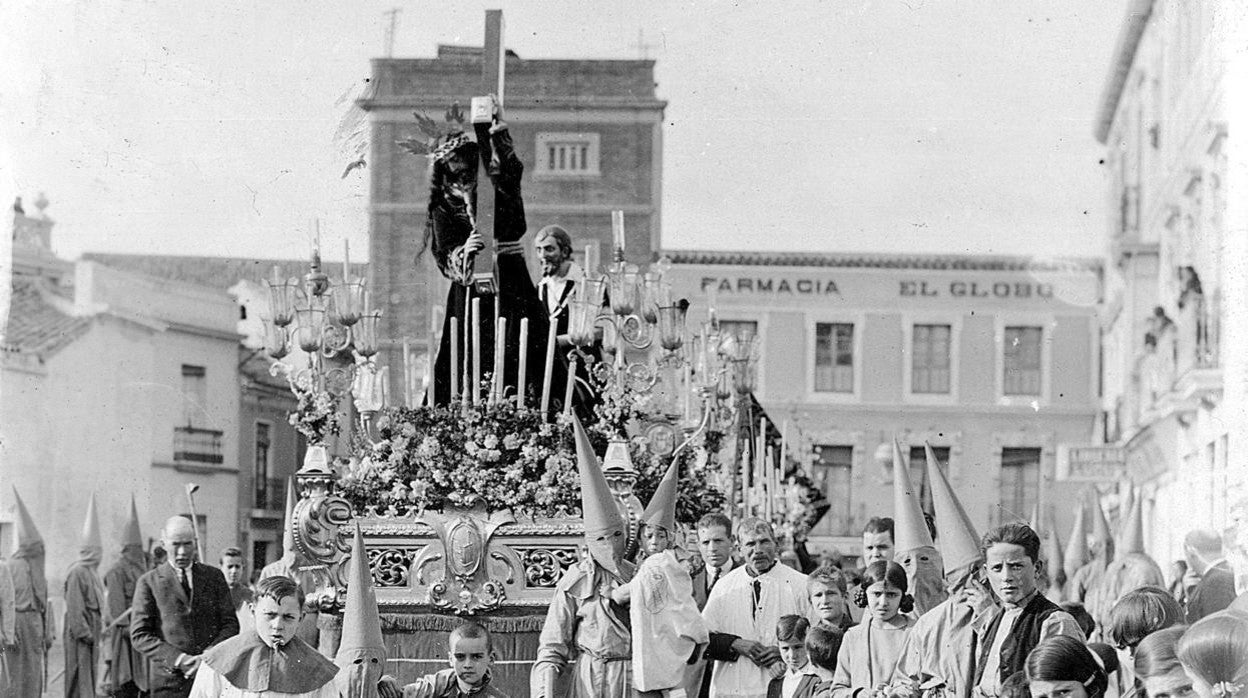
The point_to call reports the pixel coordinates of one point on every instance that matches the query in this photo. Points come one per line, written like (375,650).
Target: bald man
(181,608)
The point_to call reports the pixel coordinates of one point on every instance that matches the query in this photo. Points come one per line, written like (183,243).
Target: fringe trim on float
(436,622)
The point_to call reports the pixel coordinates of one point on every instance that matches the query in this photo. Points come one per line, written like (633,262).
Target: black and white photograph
(651,349)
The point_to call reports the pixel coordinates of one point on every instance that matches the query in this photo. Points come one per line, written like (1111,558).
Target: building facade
(589,133)
(114,384)
(1174,317)
(993,361)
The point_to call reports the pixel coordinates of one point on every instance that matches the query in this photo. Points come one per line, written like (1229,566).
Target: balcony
(1198,372)
(192,446)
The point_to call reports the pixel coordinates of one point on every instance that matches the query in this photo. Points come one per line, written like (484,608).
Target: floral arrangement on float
(504,457)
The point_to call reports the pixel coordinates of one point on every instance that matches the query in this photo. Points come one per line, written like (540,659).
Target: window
(929,363)
(567,154)
(738,328)
(261,467)
(832,473)
(1020,482)
(194,393)
(1022,370)
(834,358)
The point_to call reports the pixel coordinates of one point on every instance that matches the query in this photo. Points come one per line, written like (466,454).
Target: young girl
(1063,667)
(870,650)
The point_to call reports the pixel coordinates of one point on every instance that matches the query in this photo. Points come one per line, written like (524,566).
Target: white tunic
(210,684)
(665,622)
(731,609)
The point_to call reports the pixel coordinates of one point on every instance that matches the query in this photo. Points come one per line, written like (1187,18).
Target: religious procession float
(466,486)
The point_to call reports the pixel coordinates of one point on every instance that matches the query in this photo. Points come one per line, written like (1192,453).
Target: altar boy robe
(731,609)
(666,625)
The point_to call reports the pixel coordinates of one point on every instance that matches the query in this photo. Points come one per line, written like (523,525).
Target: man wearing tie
(181,608)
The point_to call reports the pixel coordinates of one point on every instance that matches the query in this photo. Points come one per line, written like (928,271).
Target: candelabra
(331,322)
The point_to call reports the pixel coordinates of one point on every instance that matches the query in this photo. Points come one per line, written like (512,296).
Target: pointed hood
(1051,548)
(26,532)
(288,521)
(661,511)
(959,542)
(1100,526)
(30,550)
(1035,523)
(1133,528)
(361,622)
(90,546)
(130,534)
(604,525)
(909,528)
(1077,545)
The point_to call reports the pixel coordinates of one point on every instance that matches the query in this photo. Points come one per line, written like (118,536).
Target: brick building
(588,131)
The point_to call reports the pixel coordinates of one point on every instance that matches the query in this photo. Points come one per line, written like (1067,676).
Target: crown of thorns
(438,140)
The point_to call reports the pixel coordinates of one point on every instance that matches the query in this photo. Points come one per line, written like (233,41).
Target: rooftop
(851,260)
(36,326)
(212,272)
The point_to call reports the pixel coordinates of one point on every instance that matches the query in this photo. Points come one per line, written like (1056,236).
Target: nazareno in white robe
(667,626)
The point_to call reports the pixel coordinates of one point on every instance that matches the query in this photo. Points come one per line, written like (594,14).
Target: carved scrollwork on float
(391,567)
(544,566)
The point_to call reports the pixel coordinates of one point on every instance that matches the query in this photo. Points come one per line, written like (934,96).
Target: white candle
(523,373)
(475,388)
(688,389)
(591,259)
(551,339)
(617,232)
(454,359)
(385,387)
(571,386)
(500,356)
(407,373)
(346,260)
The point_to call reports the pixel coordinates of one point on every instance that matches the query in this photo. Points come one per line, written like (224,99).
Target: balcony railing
(200,446)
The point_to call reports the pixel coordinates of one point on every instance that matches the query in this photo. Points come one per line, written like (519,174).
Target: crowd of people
(936,611)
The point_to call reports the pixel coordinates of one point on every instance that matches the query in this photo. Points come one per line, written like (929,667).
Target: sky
(840,126)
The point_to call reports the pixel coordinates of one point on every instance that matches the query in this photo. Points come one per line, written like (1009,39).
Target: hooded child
(84,610)
(267,660)
(33,627)
(127,670)
(361,657)
(939,650)
(586,641)
(915,551)
(668,631)
(1075,555)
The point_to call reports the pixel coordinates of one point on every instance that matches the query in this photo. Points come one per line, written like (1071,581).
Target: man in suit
(181,608)
(1216,588)
(716,543)
(560,277)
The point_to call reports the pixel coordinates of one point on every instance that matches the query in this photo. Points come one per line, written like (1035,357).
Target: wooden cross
(493,68)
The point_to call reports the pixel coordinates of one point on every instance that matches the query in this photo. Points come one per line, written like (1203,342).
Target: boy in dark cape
(270,661)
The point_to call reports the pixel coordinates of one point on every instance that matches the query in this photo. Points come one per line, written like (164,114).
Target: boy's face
(793,652)
(470,658)
(232,567)
(827,601)
(876,547)
(1011,572)
(276,621)
(656,539)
